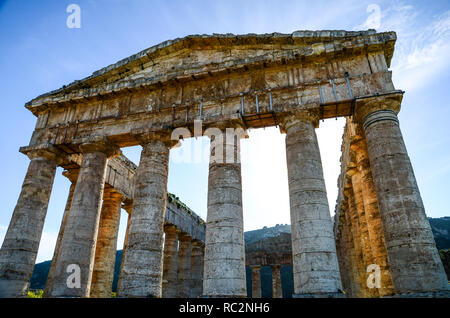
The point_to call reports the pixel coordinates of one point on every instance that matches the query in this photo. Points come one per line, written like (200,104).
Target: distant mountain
(266,232)
(439,226)
(441,231)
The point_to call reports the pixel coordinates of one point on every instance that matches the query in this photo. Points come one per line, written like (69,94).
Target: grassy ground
(35,293)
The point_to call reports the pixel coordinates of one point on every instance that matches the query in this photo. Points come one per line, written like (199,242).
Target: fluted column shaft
(348,252)
(366,248)
(141,275)
(196,269)
(184,266)
(277,291)
(129,208)
(315,267)
(170,263)
(256,281)
(224,261)
(354,247)
(373,218)
(73,176)
(413,257)
(358,255)
(21,242)
(105,251)
(75,262)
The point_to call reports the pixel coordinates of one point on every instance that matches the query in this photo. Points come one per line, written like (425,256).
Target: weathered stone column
(21,242)
(75,262)
(315,267)
(413,257)
(72,175)
(127,206)
(196,269)
(141,275)
(170,263)
(256,281)
(224,262)
(353,245)
(360,269)
(105,250)
(184,265)
(372,214)
(364,238)
(277,291)
(346,247)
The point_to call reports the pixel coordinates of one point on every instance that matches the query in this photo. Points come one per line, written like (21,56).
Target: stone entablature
(268,75)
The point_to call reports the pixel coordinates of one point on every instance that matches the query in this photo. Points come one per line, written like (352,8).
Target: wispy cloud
(422,48)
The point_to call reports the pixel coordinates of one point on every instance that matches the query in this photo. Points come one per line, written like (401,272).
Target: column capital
(275,266)
(128,206)
(171,229)
(145,136)
(100,144)
(197,243)
(224,129)
(289,119)
(184,237)
(223,125)
(110,192)
(255,268)
(367,106)
(71,174)
(47,151)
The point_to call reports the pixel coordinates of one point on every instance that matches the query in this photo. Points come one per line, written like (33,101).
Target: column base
(436,294)
(324,295)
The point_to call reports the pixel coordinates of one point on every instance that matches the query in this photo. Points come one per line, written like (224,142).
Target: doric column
(277,291)
(184,265)
(128,207)
(413,257)
(170,262)
(358,244)
(105,250)
(353,245)
(141,274)
(364,239)
(256,281)
(224,262)
(196,269)
(21,242)
(315,267)
(72,175)
(372,214)
(347,269)
(75,262)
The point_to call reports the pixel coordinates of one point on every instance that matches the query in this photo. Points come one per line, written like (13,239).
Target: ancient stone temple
(209,85)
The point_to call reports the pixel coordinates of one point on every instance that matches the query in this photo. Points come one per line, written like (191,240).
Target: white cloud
(422,47)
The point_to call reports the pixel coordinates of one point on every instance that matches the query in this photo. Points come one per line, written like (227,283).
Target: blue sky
(39,53)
